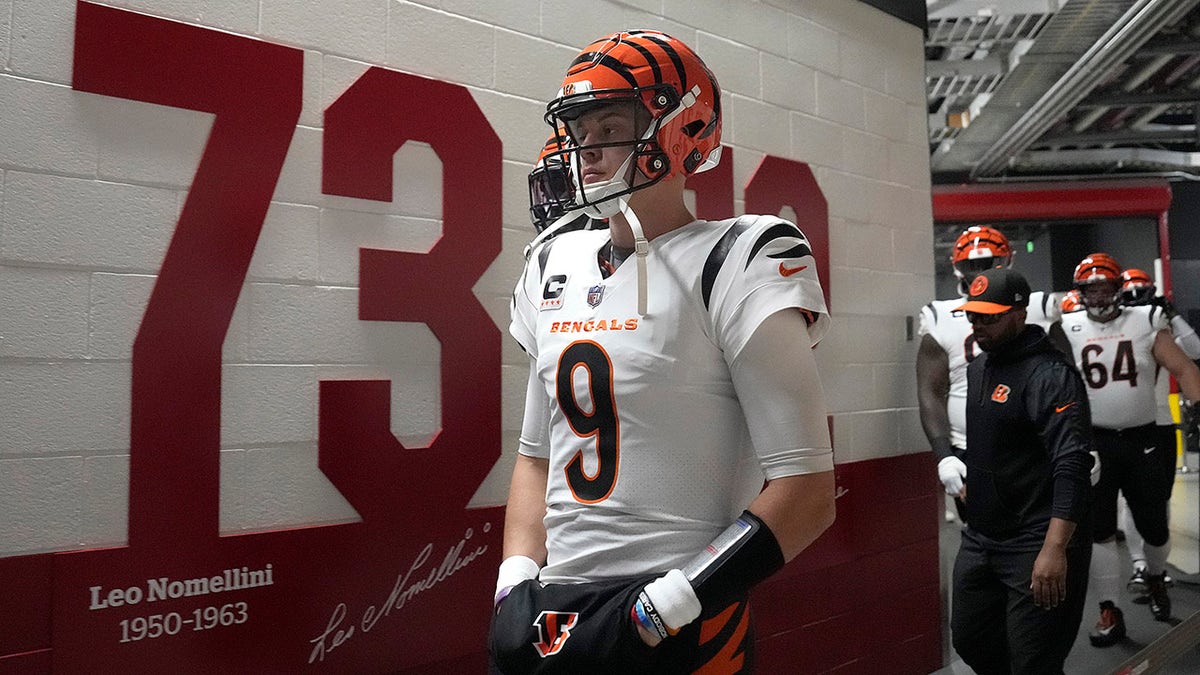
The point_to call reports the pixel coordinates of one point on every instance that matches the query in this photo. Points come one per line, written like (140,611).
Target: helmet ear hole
(694,128)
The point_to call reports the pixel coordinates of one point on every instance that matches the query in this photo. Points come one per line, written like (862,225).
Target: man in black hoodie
(1020,578)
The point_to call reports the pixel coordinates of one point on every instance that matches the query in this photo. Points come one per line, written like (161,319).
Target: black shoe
(1137,583)
(1110,629)
(1160,602)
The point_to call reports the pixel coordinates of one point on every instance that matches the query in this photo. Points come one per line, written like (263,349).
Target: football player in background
(550,191)
(948,345)
(1138,289)
(1118,351)
(671,371)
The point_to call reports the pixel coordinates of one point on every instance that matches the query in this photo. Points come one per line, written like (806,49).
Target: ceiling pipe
(1121,40)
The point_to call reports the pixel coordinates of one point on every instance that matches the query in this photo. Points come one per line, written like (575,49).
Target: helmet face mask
(1137,288)
(1098,278)
(675,103)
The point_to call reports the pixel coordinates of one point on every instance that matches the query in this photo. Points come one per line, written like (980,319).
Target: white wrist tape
(514,570)
(674,600)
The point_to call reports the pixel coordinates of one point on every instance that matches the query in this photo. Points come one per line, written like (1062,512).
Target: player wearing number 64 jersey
(1119,350)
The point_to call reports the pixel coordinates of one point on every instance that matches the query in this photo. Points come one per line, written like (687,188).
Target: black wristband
(740,557)
(942,448)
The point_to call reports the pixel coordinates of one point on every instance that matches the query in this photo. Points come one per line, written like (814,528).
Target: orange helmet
(1137,287)
(1071,302)
(979,248)
(673,93)
(1098,278)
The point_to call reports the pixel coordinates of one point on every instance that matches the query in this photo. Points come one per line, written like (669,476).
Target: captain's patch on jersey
(552,292)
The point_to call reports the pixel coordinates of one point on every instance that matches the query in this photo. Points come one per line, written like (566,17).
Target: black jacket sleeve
(1057,403)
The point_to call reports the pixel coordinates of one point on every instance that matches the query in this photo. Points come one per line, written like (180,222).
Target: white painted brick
(51,219)
(886,116)
(105,520)
(415,395)
(865,435)
(344,233)
(49,130)
(905,73)
(143,143)
(265,404)
(64,407)
(657,21)
(916,125)
(789,84)
(117,306)
(354,28)
(43,38)
(765,27)
(501,276)
(439,45)
(735,65)
(300,177)
(840,101)
(578,24)
(910,437)
(863,61)
(518,121)
(312,107)
(760,126)
(849,18)
(269,488)
(858,338)
(513,381)
(493,491)
(236,348)
(6,7)
(306,324)
(43,313)
(817,141)
(288,244)
(236,17)
(337,75)
(40,500)
(845,195)
(518,15)
(516,197)
(860,243)
(530,67)
(865,154)
(896,383)
(845,385)
(908,164)
(813,45)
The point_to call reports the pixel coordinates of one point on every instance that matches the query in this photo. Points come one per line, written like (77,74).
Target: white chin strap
(641,248)
(551,230)
(601,198)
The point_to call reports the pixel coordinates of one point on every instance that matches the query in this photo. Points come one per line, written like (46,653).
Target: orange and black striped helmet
(667,81)
(1137,287)
(979,248)
(1097,267)
(1092,275)
(1071,302)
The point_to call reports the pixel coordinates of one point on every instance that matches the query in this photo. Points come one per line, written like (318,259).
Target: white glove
(514,570)
(952,472)
(1095,468)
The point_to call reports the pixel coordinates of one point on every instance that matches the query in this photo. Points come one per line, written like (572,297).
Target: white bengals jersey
(1117,362)
(649,454)
(941,321)
(1185,338)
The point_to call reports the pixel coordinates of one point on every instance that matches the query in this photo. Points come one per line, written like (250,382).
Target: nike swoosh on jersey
(1060,408)
(1146,451)
(789,271)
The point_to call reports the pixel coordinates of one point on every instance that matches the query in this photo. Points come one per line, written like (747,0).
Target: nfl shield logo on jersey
(595,295)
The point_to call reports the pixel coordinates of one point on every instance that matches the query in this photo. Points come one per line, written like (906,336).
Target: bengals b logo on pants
(585,628)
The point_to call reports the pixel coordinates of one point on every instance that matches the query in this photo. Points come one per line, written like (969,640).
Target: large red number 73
(254,90)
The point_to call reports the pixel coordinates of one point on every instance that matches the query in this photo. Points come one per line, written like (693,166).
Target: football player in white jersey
(948,345)
(671,371)
(1119,351)
(1138,289)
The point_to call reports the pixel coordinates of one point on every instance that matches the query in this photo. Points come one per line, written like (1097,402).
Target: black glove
(1167,308)
(1189,424)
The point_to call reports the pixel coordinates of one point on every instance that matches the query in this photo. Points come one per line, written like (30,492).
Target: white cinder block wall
(91,188)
